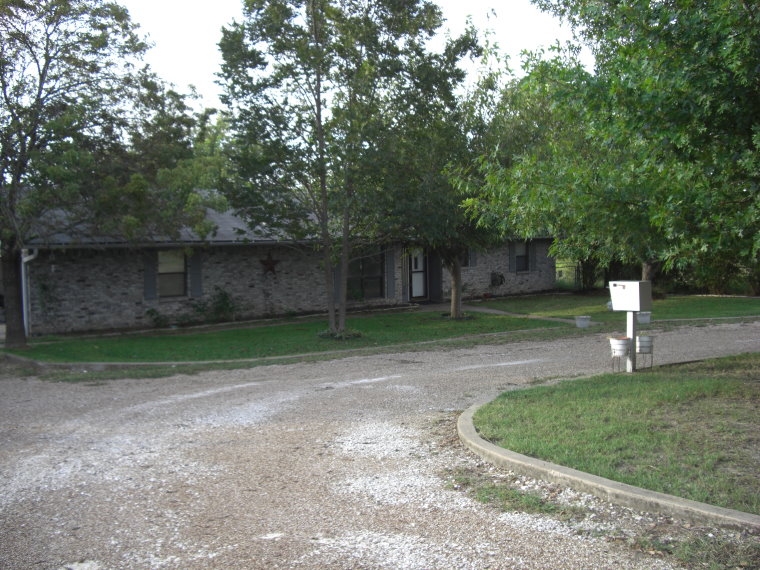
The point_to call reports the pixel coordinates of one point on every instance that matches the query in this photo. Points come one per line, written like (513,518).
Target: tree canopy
(317,89)
(654,156)
(84,133)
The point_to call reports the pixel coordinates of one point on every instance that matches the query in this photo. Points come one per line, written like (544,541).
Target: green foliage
(68,90)
(554,173)
(65,77)
(654,156)
(85,134)
(220,307)
(320,94)
(158,319)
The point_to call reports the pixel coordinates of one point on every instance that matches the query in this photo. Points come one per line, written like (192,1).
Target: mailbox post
(632,297)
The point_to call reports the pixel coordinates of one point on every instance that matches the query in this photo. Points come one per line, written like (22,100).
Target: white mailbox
(631,295)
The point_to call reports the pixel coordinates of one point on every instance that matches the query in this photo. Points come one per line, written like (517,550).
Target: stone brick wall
(294,284)
(491,274)
(90,290)
(87,290)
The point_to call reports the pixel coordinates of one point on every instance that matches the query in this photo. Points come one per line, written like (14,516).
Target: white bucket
(644,317)
(620,346)
(644,344)
(582,322)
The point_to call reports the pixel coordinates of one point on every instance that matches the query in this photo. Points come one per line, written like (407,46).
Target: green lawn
(595,306)
(688,430)
(292,337)
(282,339)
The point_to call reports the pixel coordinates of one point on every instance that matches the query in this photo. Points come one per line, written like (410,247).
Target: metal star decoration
(270,264)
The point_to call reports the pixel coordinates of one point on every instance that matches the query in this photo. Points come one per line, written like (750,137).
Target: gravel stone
(349,463)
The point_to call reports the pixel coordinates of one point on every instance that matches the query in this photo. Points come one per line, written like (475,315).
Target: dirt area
(351,463)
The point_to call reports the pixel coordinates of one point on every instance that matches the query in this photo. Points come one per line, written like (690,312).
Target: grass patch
(300,339)
(497,493)
(692,430)
(705,307)
(283,339)
(595,306)
(712,552)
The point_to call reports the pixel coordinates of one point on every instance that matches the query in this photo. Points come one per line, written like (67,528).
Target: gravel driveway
(340,464)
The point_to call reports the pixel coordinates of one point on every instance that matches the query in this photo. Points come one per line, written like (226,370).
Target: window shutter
(390,274)
(195,269)
(473,257)
(150,275)
(512,258)
(532,255)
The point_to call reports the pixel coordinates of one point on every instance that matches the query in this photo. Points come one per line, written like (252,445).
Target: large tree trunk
(336,288)
(649,270)
(455,268)
(329,274)
(754,277)
(15,334)
(588,272)
(345,255)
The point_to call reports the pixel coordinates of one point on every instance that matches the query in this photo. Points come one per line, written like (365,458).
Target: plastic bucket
(620,346)
(644,344)
(582,322)
(644,317)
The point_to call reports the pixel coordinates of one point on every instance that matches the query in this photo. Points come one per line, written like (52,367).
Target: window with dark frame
(172,273)
(522,260)
(366,277)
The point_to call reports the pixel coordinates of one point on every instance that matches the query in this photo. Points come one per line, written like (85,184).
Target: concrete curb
(619,493)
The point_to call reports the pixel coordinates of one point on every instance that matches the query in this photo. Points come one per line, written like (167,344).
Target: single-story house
(96,284)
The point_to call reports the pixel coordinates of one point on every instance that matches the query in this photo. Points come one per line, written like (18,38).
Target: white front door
(418,272)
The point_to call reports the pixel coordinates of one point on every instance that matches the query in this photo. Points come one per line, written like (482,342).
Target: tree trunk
(323,198)
(649,270)
(345,254)
(754,277)
(455,268)
(15,334)
(588,272)
(329,274)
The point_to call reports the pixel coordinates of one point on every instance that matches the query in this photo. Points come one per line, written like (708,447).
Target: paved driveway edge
(619,493)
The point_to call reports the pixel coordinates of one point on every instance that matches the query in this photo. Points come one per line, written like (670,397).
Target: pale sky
(186,34)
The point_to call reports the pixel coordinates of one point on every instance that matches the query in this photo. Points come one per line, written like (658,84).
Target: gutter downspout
(26,258)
